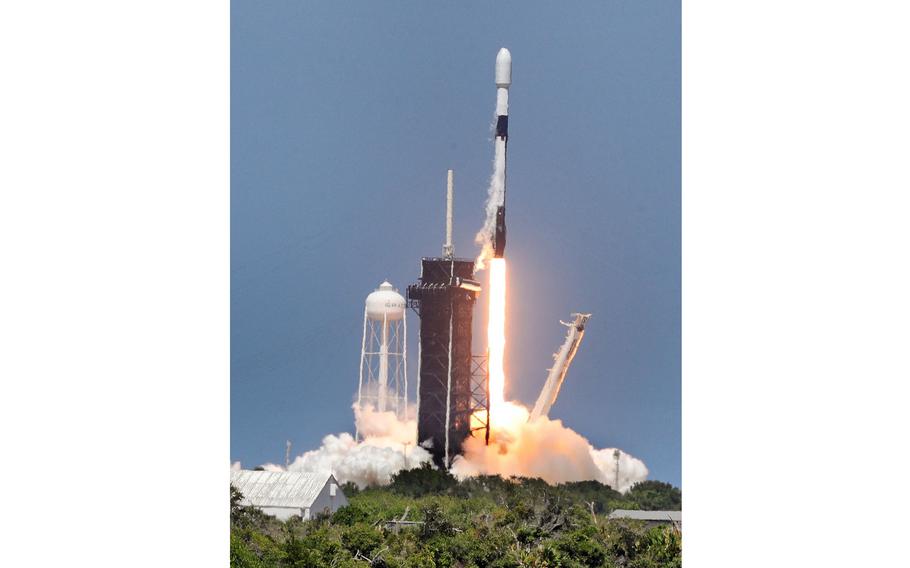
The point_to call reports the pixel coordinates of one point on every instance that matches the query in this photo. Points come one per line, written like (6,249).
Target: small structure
(288,493)
(651,518)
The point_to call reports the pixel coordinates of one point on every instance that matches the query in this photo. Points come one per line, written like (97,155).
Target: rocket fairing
(503,82)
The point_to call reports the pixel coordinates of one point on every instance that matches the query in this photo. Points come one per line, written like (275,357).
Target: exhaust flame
(538,447)
(496,333)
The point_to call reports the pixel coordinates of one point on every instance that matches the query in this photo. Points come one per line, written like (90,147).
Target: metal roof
(675,516)
(279,488)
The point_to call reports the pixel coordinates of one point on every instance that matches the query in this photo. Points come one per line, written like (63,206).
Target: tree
(435,522)
(602,496)
(656,496)
(422,481)
(361,538)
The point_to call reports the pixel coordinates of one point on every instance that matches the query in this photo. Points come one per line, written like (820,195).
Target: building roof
(279,488)
(675,516)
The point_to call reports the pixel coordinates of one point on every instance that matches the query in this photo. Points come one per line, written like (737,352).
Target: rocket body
(503,82)
(499,233)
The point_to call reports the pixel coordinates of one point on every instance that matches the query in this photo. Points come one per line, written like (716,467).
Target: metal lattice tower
(451,383)
(444,299)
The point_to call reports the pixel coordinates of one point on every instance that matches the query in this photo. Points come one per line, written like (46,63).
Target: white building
(288,493)
(650,518)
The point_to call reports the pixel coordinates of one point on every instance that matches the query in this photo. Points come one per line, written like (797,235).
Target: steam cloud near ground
(387,446)
(543,448)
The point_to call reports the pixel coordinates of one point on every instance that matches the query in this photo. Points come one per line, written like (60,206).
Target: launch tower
(444,299)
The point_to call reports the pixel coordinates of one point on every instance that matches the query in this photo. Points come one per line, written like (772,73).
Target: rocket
(503,82)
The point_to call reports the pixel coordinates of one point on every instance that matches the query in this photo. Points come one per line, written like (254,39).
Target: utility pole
(616,482)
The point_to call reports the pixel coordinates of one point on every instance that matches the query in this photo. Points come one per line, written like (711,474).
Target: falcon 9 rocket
(503,81)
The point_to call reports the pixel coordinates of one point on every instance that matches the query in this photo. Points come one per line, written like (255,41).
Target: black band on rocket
(502,126)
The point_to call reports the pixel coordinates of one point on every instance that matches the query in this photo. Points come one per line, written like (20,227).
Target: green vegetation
(483,521)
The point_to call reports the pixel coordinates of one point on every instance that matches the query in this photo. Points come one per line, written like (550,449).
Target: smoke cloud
(546,449)
(541,448)
(631,469)
(387,447)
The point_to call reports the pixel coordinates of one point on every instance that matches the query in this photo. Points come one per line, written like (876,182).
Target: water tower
(383,352)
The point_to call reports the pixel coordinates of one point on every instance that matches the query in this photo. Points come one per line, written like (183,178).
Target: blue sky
(344,119)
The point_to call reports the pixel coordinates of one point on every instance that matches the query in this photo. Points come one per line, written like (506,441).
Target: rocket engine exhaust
(496,333)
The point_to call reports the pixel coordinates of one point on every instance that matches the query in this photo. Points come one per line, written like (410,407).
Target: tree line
(426,518)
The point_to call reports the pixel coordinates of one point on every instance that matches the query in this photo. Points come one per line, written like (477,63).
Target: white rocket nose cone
(503,68)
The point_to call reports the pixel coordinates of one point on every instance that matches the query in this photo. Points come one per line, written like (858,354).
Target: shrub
(361,538)
(422,481)
(656,496)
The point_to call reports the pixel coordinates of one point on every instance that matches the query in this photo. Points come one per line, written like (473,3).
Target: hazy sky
(344,119)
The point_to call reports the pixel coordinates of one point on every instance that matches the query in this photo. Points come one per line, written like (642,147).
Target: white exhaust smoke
(631,469)
(388,446)
(541,448)
(546,449)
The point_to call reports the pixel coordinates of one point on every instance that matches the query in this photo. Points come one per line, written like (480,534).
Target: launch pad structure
(447,391)
(452,384)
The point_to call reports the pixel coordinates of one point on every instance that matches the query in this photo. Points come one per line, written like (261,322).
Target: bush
(422,481)
(315,550)
(361,538)
(435,522)
(661,547)
(583,548)
(656,496)
(241,554)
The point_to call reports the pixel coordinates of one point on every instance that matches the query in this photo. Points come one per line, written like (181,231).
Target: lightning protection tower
(383,352)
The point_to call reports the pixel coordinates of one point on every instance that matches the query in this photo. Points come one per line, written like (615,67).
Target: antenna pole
(448,251)
(616,482)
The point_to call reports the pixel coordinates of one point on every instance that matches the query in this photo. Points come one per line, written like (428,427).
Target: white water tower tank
(385,304)
(384,353)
